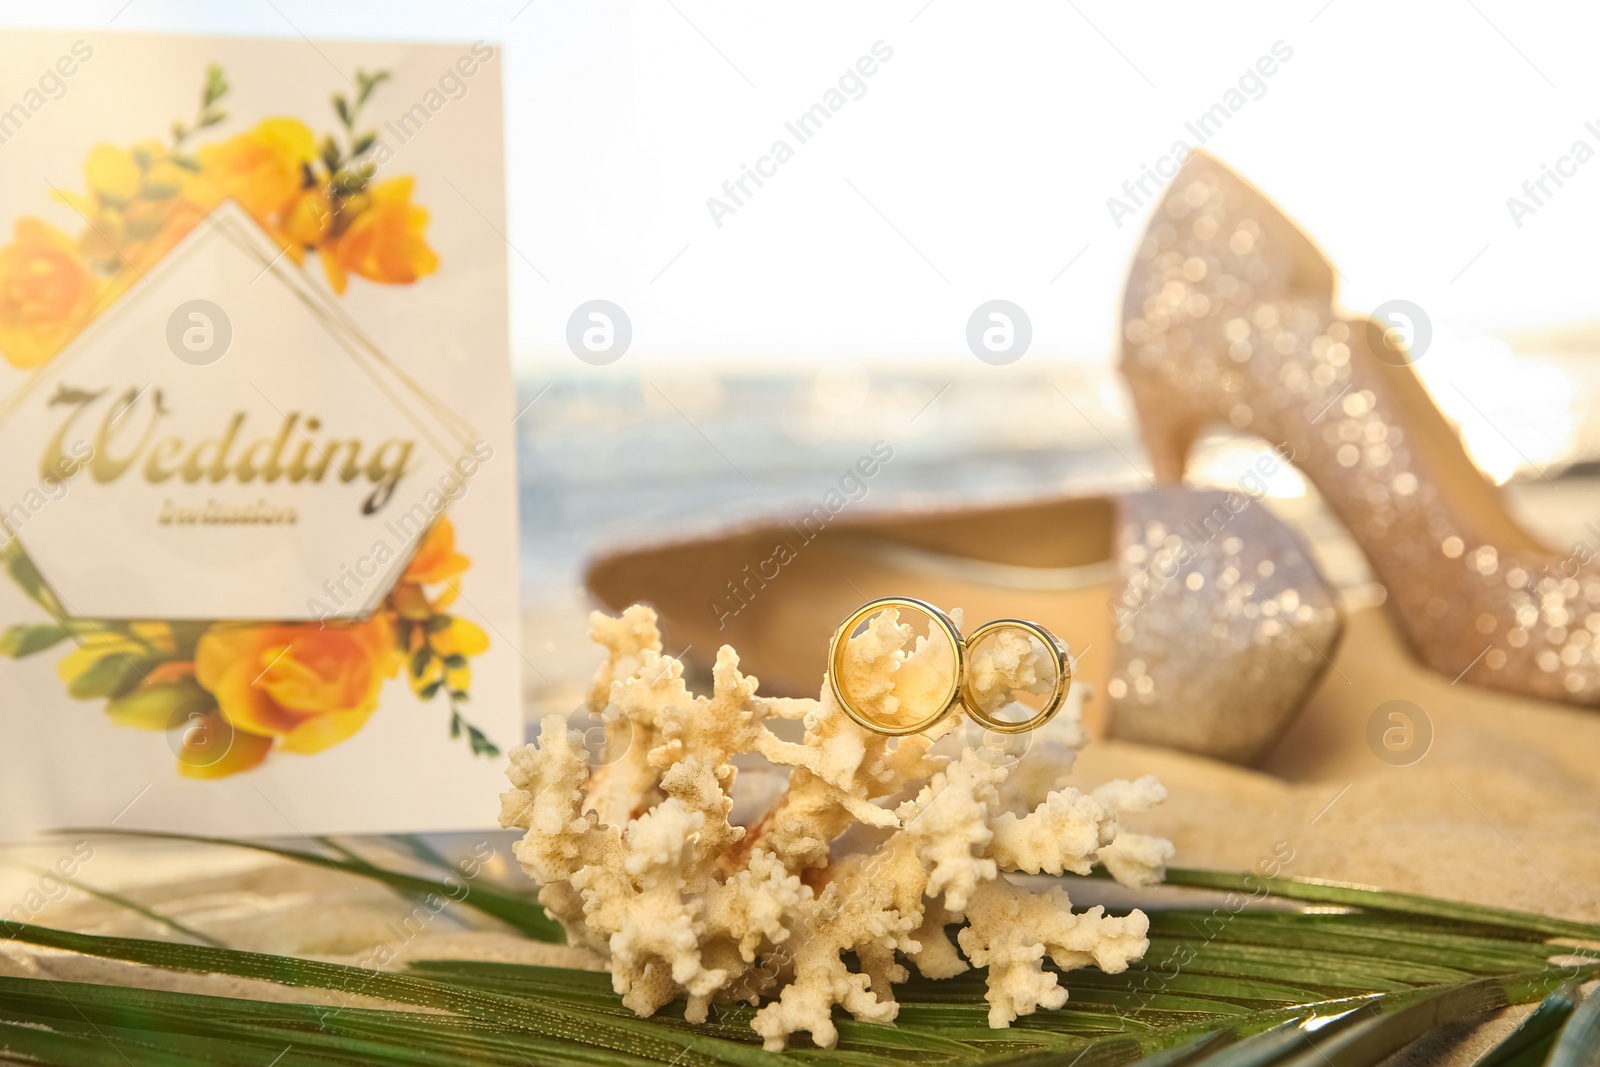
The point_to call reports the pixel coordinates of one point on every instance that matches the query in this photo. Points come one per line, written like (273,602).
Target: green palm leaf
(1254,987)
(1533,1038)
(520,912)
(1579,1043)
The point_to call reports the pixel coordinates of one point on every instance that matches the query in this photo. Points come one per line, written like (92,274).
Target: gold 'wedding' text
(129,430)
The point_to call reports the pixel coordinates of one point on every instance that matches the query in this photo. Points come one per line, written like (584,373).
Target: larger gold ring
(841,639)
(1058,696)
(960,689)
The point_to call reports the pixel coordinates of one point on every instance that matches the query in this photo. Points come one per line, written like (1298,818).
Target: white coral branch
(874,846)
(1010,930)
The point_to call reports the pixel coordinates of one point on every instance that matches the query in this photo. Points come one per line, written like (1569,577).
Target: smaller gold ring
(1058,696)
(841,639)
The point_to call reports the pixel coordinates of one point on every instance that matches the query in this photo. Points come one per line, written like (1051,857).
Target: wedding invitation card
(257,471)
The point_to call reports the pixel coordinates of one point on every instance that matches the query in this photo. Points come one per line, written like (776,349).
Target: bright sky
(979,160)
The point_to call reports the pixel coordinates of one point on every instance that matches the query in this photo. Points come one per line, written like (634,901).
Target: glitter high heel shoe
(1229,319)
(1196,614)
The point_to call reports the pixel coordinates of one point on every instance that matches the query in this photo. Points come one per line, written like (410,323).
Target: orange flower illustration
(262,169)
(437,560)
(47,293)
(308,686)
(384,241)
(308,220)
(140,201)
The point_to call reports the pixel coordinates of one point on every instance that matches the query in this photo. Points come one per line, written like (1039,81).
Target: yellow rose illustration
(47,293)
(309,686)
(384,241)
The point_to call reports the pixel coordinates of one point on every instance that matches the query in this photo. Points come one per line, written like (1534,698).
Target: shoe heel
(1167,433)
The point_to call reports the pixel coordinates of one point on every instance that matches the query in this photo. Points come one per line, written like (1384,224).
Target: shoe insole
(828,580)
(778,593)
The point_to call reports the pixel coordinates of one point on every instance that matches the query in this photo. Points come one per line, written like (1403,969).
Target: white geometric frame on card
(228,221)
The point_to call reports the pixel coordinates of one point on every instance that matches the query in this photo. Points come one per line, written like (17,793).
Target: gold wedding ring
(958,692)
(841,640)
(1058,695)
